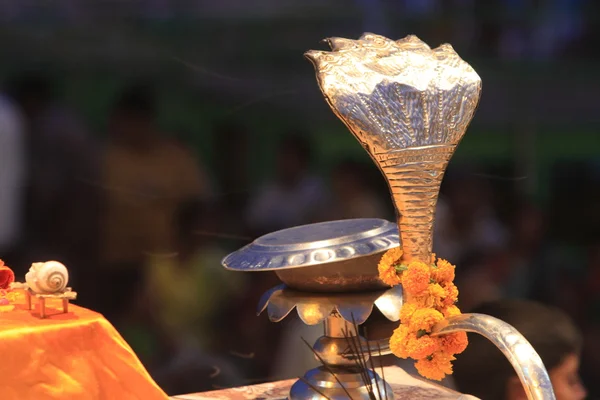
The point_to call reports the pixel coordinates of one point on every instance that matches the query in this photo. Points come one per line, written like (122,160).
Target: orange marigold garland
(390,261)
(435,366)
(430,298)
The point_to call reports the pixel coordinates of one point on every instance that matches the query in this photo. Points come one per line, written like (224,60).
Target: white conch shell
(47,277)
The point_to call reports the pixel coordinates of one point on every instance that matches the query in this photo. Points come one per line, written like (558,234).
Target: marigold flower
(392,256)
(451,311)
(424,301)
(415,280)
(435,367)
(425,319)
(388,274)
(406,312)
(454,343)
(421,347)
(444,272)
(437,294)
(387,266)
(430,298)
(399,340)
(451,294)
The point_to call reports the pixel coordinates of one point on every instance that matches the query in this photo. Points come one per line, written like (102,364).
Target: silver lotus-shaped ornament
(409,106)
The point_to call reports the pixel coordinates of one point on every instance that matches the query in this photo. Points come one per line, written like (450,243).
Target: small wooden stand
(66,296)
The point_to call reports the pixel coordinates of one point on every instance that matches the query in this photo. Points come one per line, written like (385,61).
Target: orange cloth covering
(77,355)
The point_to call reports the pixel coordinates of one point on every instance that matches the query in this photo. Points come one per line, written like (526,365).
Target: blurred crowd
(143,224)
(508,29)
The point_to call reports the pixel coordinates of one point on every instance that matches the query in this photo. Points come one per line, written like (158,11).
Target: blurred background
(143,140)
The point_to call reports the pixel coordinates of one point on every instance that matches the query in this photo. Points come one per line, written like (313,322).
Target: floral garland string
(430,297)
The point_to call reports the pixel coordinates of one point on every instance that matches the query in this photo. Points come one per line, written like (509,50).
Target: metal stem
(338,327)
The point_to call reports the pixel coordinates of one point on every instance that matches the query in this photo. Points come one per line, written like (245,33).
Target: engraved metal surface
(527,363)
(409,106)
(314,244)
(327,257)
(314,308)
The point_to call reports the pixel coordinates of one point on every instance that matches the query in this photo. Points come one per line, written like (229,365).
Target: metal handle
(527,363)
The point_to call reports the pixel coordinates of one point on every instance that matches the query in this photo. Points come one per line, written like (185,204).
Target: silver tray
(335,256)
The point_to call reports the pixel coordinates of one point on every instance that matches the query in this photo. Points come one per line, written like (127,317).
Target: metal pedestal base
(341,349)
(340,377)
(321,384)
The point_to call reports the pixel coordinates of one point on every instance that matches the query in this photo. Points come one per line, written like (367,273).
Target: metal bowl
(335,256)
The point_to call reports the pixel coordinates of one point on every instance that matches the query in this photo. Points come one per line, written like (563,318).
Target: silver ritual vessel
(409,106)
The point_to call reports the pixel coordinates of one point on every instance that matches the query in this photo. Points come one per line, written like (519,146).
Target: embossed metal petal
(390,303)
(264,299)
(280,306)
(312,313)
(315,308)
(356,313)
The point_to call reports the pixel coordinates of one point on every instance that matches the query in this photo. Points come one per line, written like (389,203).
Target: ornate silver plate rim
(315,244)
